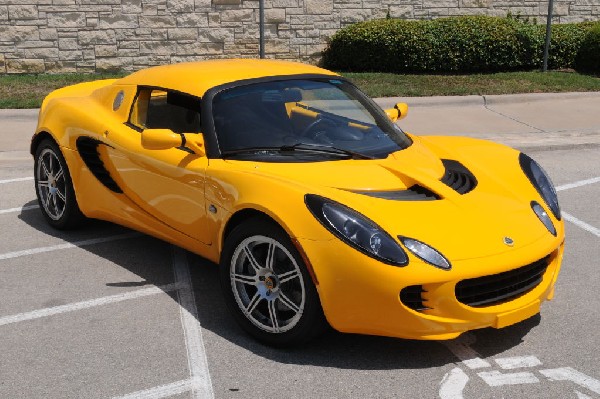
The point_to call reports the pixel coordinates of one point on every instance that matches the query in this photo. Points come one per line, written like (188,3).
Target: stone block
(113,64)
(60,66)
(175,6)
(275,15)
(16,33)
(202,5)
(70,55)
(44,53)
(214,19)
(237,15)
(48,34)
(91,22)
(25,66)
(166,21)
(354,15)
(22,12)
(596,10)
(199,49)
(212,35)
(92,37)
(318,6)
(129,45)
(131,6)
(106,50)
(404,12)
(68,43)
(439,3)
(66,19)
(159,34)
(476,3)
(149,9)
(3,13)
(192,20)
(157,47)
(118,21)
(182,34)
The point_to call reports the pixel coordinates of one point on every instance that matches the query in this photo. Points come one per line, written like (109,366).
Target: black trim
(88,151)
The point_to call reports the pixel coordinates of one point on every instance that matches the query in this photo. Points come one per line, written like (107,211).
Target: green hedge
(588,57)
(455,44)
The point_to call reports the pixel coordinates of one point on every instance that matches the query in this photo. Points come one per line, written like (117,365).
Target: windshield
(305,115)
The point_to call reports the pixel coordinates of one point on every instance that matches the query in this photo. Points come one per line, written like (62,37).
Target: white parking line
(578,184)
(197,362)
(20,209)
(580,223)
(570,374)
(162,391)
(15,180)
(453,384)
(37,314)
(17,254)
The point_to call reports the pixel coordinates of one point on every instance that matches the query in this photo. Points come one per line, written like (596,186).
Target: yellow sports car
(316,205)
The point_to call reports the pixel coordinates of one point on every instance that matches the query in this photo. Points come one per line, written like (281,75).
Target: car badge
(508,241)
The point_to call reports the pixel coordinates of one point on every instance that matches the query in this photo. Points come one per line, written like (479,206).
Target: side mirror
(399,111)
(160,139)
(164,139)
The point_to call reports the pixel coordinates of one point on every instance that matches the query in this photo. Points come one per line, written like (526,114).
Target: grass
(391,85)
(28,91)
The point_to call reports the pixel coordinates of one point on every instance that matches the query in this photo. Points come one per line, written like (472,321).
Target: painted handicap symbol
(455,381)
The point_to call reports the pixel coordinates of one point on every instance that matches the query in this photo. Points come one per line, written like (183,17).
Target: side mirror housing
(160,139)
(164,139)
(399,111)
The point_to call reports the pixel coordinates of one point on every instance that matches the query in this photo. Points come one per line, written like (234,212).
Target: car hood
(461,226)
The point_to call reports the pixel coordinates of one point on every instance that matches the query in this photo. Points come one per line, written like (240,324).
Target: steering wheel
(311,129)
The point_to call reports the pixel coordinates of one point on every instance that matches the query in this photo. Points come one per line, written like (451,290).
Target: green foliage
(588,57)
(454,44)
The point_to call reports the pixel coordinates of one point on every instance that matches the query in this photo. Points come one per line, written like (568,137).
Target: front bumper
(362,295)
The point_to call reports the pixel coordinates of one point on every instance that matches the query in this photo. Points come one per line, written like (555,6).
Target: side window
(164,109)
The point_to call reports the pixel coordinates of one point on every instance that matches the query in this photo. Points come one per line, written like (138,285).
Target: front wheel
(54,187)
(267,286)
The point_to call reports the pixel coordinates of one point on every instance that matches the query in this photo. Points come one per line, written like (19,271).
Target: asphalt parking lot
(104,312)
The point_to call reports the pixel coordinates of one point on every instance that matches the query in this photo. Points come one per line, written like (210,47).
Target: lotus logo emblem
(508,241)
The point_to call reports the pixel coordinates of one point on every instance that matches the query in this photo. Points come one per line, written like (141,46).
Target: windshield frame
(209,130)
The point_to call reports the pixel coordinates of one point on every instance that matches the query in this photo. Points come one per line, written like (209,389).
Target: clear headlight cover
(426,253)
(543,216)
(356,230)
(542,183)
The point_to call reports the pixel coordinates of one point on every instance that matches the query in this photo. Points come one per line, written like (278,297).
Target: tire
(267,286)
(54,188)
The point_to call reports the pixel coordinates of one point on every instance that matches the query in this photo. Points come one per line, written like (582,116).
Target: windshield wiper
(300,147)
(328,149)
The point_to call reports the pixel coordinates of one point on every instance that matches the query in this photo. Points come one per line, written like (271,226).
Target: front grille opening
(458,177)
(503,287)
(412,297)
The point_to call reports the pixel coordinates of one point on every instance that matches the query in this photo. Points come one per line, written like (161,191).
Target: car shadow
(332,349)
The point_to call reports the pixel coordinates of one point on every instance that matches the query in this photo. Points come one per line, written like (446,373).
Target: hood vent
(458,177)
(413,193)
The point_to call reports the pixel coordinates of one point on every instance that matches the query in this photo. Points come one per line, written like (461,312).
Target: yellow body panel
(188,199)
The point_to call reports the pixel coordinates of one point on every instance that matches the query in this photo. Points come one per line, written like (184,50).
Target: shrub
(588,57)
(455,44)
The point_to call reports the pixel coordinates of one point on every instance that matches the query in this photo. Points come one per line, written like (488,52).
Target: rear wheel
(54,187)
(267,286)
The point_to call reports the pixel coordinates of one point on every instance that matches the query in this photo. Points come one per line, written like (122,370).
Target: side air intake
(88,150)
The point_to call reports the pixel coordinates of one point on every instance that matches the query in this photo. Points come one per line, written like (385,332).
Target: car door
(168,184)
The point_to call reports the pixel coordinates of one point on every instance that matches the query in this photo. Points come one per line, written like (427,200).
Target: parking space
(105,312)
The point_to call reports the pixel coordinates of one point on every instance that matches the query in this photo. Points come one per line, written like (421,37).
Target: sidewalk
(525,121)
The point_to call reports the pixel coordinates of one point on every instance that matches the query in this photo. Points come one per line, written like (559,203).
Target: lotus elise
(317,207)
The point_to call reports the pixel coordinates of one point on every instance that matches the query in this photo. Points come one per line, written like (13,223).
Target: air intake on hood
(413,193)
(457,177)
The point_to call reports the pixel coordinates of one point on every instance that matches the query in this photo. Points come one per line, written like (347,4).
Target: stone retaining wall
(38,36)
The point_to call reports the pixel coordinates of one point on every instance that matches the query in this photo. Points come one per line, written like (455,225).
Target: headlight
(543,216)
(541,182)
(356,230)
(426,253)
